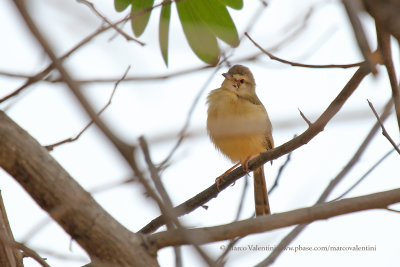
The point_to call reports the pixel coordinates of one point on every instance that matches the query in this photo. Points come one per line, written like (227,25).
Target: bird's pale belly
(240,147)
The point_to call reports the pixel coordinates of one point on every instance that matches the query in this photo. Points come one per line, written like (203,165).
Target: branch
(295,64)
(353,7)
(384,47)
(33,79)
(279,175)
(386,14)
(269,155)
(55,191)
(373,167)
(125,35)
(183,131)
(9,255)
(328,190)
(384,132)
(73,139)
(31,253)
(166,206)
(280,220)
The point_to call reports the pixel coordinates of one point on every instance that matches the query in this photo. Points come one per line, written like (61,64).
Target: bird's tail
(260,193)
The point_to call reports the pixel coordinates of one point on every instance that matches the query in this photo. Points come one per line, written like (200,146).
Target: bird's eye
(242,81)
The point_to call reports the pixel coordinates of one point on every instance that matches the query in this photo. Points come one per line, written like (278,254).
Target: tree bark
(386,14)
(104,239)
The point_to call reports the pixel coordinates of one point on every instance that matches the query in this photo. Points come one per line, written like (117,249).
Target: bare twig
(280,171)
(31,253)
(295,64)
(353,7)
(385,49)
(384,132)
(373,167)
(182,132)
(232,242)
(33,79)
(111,185)
(392,210)
(9,255)
(305,118)
(73,139)
(125,35)
(166,207)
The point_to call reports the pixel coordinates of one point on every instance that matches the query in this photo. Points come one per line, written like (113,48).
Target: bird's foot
(245,164)
(219,179)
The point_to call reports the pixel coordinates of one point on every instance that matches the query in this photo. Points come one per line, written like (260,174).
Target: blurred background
(312,31)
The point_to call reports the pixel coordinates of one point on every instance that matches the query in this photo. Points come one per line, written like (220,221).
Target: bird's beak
(231,78)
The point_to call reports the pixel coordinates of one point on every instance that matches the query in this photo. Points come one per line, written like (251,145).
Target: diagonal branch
(373,167)
(385,48)
(304,138)
(353,7)
(73,139)
(81,217)
(384,132)
(115,27)
(328,190)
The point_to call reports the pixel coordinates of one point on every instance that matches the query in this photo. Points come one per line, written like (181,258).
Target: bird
(239,126)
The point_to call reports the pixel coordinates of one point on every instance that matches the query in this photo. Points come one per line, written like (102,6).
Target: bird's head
(239,79)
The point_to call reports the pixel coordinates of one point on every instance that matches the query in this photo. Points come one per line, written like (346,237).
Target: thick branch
(276,221)
(65,200)
(386,14)
(293,144)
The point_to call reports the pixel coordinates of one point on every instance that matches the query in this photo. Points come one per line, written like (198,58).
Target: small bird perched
(239,126)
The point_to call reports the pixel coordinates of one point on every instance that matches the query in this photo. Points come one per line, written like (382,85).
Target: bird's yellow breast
(237,127)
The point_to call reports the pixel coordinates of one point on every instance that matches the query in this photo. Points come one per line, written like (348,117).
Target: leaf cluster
(203,22)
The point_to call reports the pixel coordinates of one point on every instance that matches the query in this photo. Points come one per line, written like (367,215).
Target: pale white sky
(157,109)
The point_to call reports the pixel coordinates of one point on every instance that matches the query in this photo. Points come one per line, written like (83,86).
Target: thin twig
(392,210)
(233,242)
(9,255)
(220,259)
(31,253)
(73,139)
(305,118)
(384,132)
(295,64)
(365,175)
(84,41)
(280,171)
(125,35)
(182,132)
(167,207)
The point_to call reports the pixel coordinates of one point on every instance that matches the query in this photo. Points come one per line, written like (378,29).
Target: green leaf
(164,31)
(139,22)
(121,5)
(217,17)
(201,39)
(236,4)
